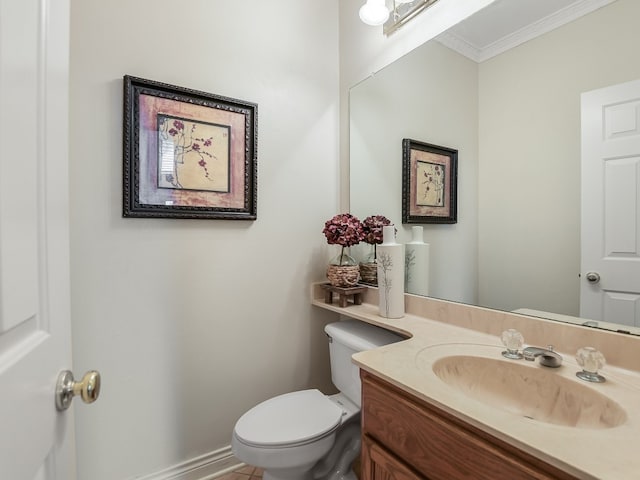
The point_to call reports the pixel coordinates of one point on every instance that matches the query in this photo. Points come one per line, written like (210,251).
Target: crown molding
(535,29)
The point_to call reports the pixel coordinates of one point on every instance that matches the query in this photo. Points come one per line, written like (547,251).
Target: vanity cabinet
(406,438)
(380,464)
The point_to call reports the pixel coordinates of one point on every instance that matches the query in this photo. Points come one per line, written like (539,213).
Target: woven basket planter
(369,273)
(343,275)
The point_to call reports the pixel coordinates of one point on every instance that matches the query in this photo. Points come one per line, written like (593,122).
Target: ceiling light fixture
(392,13)
(374,12)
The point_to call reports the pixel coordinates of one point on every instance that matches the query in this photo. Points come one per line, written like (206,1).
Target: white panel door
(35,440)
(610,263)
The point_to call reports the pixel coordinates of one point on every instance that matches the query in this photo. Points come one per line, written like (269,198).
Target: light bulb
(374,12)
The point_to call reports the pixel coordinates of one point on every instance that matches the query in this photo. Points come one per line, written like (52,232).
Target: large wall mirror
(512,109)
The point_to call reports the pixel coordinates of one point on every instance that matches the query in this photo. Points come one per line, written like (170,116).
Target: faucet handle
(513,340)
(591,360)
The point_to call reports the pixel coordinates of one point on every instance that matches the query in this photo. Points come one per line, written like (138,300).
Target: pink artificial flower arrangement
(372,227)
(343,229)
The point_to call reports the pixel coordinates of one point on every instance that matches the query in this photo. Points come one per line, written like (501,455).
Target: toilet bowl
(306,435)
(288,434)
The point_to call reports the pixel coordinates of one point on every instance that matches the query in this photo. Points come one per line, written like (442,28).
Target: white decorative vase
(390,274)
(417,264)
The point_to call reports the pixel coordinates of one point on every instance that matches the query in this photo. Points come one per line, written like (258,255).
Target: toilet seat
(288,420)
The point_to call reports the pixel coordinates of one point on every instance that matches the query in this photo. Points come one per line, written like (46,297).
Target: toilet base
(334,465)
(306,476)
(288,474)
(337,464)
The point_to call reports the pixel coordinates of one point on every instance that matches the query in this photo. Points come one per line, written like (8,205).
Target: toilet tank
(346,338)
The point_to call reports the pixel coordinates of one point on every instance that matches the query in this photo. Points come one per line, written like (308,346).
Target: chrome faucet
(547,356)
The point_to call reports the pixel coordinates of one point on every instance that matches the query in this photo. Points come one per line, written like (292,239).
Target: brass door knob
(88,388)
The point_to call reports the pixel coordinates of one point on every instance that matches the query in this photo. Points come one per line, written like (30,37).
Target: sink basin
(529,391)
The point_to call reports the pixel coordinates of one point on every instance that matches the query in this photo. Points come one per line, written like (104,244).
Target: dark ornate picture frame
(187,153)
(429,183)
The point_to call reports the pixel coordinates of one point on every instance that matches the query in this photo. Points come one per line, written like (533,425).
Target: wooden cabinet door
(378,464)
(435,443)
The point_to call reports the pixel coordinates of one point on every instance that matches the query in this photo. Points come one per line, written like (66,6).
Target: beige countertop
(587,453)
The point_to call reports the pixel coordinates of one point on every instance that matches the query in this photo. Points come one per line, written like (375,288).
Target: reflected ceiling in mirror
(505,24)
(512,110)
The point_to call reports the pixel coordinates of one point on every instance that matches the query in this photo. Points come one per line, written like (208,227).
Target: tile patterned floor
(243,473)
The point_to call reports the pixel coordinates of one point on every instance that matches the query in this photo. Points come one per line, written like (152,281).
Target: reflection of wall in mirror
(530,143)
(437,105)
(521,112)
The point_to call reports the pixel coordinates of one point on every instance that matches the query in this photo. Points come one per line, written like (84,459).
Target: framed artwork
(429,183)
(188,154)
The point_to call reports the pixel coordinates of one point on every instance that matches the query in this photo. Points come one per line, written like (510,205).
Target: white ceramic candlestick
(417,264)
(390,274)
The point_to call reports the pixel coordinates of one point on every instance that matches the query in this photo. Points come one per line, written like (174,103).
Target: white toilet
(307,435)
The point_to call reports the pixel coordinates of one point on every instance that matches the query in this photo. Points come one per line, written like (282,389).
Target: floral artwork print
(187,153)
(192,155)
(430,184)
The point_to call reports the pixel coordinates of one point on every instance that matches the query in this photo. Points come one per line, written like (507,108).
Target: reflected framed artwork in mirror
(187,154)
(429,183)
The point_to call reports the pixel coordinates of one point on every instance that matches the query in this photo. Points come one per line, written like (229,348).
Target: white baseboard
(205,467)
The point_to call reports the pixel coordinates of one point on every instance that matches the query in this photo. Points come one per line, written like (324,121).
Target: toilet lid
(289,419)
